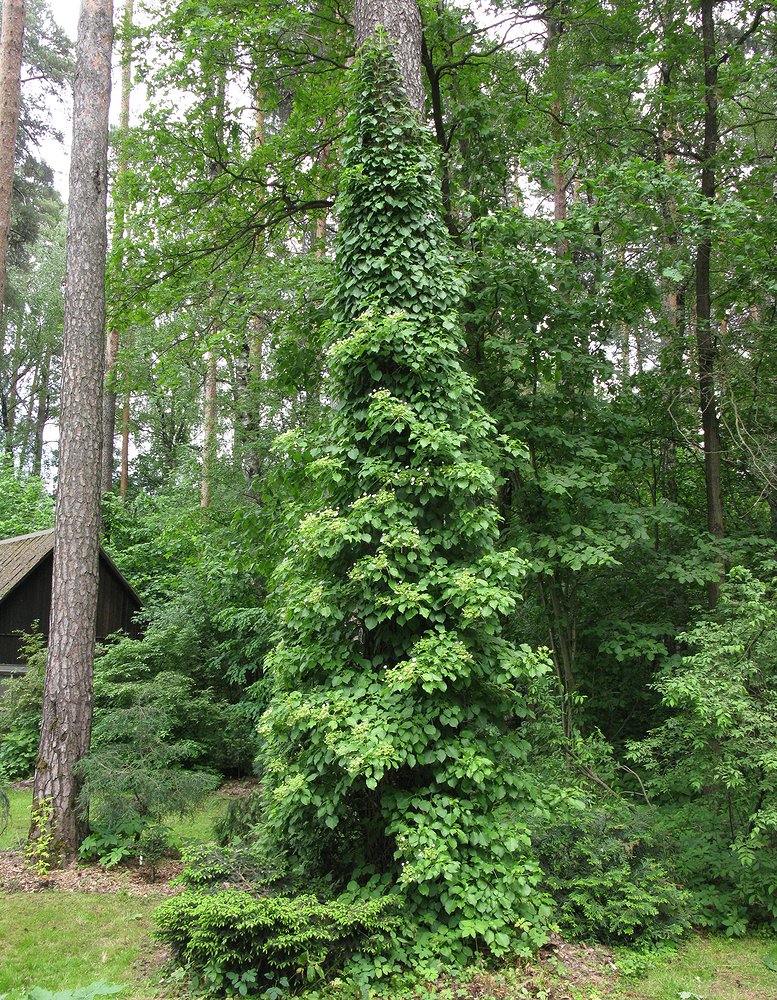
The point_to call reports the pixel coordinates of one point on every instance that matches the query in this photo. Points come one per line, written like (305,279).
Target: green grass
(19,824)
(64,940)
(198,828)
(195,829)
(713,968)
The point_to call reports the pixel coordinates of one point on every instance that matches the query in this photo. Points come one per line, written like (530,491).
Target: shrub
(90,992)
(168,668)
(112,845)
(605,872)
(243,814)
(136,768)
(234,938)
(713,764)
(238,865)
(20,710)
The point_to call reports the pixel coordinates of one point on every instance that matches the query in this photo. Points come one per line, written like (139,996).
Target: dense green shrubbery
(609,877)
(24,503)
(20,711)
(712,765)
(243,815)
(140,766)
(239,864)
(235,939)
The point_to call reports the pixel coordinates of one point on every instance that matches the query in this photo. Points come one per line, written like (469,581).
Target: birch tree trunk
(401,20)
(67,698)
(12,42)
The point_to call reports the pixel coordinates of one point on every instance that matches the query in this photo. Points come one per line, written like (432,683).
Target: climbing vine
(393,745)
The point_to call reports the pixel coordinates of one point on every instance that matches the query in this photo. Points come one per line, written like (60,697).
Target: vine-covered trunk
(67,697)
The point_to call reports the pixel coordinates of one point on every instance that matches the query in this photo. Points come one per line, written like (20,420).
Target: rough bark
(705,339)
(401,20)
(112,340)
(12,42)
(67,698)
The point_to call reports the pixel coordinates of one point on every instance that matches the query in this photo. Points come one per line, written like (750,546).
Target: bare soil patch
(134,879)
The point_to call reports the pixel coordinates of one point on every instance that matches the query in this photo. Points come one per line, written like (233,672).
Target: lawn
(196,829)
(712,968)
(64,940)
(19,823)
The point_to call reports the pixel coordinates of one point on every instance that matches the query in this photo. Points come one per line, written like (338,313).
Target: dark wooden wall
(31,601)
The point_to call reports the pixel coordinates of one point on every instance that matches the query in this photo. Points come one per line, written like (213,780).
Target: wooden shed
(26,564)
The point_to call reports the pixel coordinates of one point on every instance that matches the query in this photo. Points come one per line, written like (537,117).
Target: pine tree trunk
(10,90)
(67,698)
(705,339)
(112,340)
(401,20)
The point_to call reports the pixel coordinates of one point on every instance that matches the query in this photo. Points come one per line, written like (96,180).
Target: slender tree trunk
(125,435)
(401,20)
(12,42)
(42,414)
(705,338)
(323,216)
(67,697)
(211,358)
(248,382)
(109,410)
(209,448)
(554,28)
(112,339)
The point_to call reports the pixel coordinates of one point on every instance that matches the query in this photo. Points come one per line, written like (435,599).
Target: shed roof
(20,555)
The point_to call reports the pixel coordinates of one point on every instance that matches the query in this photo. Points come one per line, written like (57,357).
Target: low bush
(20,710)
(237,864)
(131,838)
(235,942)
(606,874)
(90,992)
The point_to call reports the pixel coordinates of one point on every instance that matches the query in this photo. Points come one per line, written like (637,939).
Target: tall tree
(12,43)
(67,699)
(705,337)
(401,20)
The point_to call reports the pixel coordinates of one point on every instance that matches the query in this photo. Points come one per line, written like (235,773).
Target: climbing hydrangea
(392,746)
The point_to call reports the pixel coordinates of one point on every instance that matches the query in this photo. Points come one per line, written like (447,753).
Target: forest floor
(68,929)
